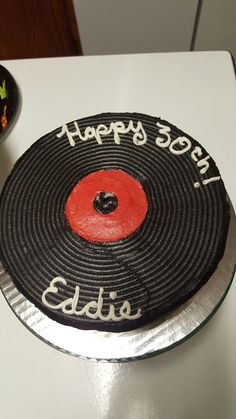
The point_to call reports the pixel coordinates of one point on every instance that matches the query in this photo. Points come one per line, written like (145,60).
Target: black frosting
(163,263)
(105,202)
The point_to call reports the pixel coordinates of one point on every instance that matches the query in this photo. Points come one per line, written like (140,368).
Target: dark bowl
(9,100)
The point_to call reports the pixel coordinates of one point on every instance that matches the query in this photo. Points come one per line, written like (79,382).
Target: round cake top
(110,221)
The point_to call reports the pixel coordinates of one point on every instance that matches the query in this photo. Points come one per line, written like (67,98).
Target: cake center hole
(105,202)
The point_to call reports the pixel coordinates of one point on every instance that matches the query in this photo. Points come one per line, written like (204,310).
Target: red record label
(106,205)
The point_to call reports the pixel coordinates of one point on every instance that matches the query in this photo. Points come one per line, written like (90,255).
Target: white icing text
(92,309)
(116,128)
(177,146)
(184,144)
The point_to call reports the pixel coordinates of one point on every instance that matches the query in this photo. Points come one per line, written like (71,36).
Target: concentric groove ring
(156,268)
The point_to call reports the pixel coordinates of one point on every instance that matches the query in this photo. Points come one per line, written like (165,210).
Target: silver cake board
(159,336)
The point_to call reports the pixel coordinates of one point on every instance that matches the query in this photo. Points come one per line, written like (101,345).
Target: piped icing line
(180,141)
(177,146)
(206,181)
(139,137)
(160,141)
(69,306)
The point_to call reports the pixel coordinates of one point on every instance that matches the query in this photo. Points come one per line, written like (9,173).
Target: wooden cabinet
(38,28)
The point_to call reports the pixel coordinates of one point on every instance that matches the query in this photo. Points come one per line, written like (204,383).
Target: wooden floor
(38,28)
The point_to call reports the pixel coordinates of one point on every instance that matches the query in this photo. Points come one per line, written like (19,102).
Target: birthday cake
(111,221)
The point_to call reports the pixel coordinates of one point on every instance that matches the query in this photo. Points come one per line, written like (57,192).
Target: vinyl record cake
(110,221)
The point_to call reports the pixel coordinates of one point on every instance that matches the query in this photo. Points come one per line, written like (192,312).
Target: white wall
(217,26)
(133,26)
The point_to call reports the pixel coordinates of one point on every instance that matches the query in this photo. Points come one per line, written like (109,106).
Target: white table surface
(195,91)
